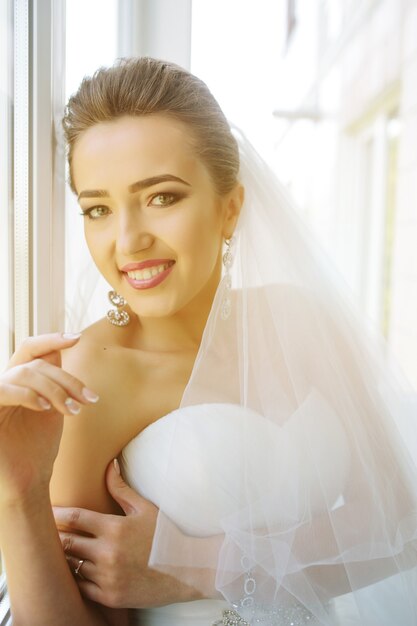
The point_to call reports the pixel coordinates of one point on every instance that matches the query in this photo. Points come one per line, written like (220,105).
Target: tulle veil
(325,508)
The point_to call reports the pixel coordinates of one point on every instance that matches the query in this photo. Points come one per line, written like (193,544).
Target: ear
(233,204)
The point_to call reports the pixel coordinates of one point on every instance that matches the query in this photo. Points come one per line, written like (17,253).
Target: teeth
(147,273)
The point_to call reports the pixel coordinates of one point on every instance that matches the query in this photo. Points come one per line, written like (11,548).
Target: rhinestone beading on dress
(293,614)
(230,618)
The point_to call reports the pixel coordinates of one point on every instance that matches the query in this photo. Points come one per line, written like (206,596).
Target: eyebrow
(138,186)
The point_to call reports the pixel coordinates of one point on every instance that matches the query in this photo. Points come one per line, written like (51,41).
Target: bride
(228,444)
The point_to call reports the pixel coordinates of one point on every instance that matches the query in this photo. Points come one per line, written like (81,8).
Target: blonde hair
(145,86)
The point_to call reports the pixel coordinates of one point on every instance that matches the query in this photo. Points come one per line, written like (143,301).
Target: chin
(154,310)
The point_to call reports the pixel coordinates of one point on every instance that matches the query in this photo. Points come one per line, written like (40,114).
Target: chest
(137,389)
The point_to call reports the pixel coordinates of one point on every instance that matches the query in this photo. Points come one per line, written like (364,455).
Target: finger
(90,590)
(41,345)
(78,546)
(126,497)
(80,520)
(14,395)
(42,386)
(103,599)
(56,385)
(29,377)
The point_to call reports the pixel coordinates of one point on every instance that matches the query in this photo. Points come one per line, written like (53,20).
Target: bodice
(193,464)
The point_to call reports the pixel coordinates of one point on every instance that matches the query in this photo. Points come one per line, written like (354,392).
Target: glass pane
(85,52)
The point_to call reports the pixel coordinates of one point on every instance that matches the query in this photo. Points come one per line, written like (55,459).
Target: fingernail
(116,466)
(44,404)
(73,407)
(90,395)
(71,335)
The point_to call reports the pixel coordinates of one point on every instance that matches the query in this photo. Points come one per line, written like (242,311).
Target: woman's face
(153,222)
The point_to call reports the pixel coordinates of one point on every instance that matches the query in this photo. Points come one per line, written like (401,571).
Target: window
(83,303)
(377,144)
(291,20)
(31,214)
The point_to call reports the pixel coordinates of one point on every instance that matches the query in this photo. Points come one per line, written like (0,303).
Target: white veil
(318,483)
(310,496)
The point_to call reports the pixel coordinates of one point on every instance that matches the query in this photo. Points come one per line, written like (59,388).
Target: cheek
(97,244)
(199,241)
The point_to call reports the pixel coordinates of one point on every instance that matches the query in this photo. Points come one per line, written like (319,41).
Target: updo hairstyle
(145,86)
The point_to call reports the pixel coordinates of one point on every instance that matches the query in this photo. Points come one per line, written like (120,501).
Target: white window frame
(39,181)
(372,173)
(48,166)
(4,603)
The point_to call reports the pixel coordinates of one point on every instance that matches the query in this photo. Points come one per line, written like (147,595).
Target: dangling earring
(116,317)
(226,305)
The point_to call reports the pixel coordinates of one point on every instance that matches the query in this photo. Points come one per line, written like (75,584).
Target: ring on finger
(77,571)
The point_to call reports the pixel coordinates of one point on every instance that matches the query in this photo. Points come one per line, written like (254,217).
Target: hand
(116,551)
(34,394)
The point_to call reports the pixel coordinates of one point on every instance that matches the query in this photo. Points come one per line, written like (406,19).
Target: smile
(148,272)
(149,276)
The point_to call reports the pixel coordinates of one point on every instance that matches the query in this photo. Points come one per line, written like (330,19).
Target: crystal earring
(226,305)
(116,317)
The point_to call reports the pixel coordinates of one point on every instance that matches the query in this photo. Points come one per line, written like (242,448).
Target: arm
(41,587)
(117,548)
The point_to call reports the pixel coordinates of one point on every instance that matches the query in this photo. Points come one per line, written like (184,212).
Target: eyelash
(175,197)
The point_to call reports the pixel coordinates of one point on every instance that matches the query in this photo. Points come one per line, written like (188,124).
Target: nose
(133,233)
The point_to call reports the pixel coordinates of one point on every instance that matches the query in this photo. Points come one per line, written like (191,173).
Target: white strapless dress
(201,497)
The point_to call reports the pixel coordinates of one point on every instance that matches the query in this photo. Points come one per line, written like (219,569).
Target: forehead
(129,148)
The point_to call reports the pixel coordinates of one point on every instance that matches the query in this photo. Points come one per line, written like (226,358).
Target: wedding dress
(208,486)
(211,473)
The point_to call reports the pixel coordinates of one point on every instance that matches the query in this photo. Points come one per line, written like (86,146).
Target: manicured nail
(116,466)
(73,407)
(71,335)
(44,404)
(90,395)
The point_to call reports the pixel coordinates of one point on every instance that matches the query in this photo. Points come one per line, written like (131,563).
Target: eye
(95,212)
(163,199)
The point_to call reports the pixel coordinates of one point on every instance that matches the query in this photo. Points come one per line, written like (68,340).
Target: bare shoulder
(99,357)
(93,438)
(92,344)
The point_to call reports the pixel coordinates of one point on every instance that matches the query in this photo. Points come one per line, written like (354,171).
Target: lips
(147,274)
